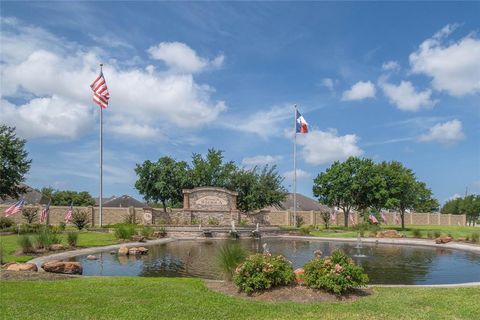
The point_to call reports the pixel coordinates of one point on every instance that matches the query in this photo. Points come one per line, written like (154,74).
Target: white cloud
(260,160)
(359,91)
(263,123)
(455,196)
(405,96)
(51,77)
(454,66)
(321,147)
(447,133)
(391,66)
(180,57)
(300,175)
(136,130)
(328,83)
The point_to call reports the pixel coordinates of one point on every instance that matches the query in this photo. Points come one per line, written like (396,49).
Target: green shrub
(29,214)
(243,223)
(299,221)
(62,225)
(80,219)
(25,242)
(125,231)
(475,237)
(305,230)
(5,222)
(27,228)
(130,219)
(263,271)
(336,273)
(45,238)
(417,233)
(72,238)
(437,234)
(147,232)
(429,235)
(229,257)
(213,221)
(162,232)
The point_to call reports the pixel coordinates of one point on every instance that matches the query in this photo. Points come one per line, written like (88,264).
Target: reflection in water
(385,264)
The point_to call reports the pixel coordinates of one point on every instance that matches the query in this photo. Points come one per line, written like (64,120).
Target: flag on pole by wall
(350,216)
(333,216)
(372,219)
(301,124)
(397,220)
(69,213)
(15,208)
(45,212)
(100,91)
(384,218)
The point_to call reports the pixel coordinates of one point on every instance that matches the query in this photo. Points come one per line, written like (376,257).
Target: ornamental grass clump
(25,242)
(45,238)
(263,271)
(336,273)
(72,238)
(125,231)
(229,257)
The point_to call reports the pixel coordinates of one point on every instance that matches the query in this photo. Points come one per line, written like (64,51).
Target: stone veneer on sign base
(204,204)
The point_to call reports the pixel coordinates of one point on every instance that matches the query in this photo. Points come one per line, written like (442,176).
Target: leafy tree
(425,202)
(14,163)
(452,206)
(348,185)
(67,197)
(212,170)
(162,181)
(29,214)
(469,206)
(257,189)
(402,187)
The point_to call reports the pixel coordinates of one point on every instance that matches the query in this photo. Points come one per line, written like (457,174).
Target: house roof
(124,201)
(31,196)
(303,204)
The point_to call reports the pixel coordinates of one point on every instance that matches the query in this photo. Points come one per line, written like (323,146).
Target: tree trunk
(164,206)
(345,213)
(402,216)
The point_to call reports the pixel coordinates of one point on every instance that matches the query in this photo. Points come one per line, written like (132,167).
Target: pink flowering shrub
(263,271)
(336,273)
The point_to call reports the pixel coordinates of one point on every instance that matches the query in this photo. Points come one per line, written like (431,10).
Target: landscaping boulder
(133,251)
(91,257)
(138,238)
(123,251)
(22,267)
(66,267)
(388,234)
(56,247)
(443,239)
(299,275)
(142,250)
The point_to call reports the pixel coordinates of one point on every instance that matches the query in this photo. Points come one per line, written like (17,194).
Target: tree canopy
(14,163)
(468,205)
(163,181)
(360,184)
(67,197)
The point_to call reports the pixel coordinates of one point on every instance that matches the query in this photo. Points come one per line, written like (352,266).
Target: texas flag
(301,126)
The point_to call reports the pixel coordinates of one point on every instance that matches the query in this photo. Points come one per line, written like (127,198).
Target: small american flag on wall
(15,208)
(44,214)
(100,91)
(69,214)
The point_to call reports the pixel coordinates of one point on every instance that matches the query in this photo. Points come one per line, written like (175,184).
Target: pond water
(385,264)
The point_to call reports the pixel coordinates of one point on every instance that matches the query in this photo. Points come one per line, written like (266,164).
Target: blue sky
(387,81)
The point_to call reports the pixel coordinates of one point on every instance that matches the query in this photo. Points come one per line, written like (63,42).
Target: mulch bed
(294,293)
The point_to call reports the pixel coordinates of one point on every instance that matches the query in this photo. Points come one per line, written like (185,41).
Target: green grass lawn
(184,298)
(454,231)
(85,239)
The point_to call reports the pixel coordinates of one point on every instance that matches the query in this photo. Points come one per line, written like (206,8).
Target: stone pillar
(411,217)
(92,214)
(131,212)
(312,218)
(449,219)
(186,200)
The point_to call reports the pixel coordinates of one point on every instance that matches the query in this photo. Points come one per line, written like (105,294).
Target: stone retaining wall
(179,216)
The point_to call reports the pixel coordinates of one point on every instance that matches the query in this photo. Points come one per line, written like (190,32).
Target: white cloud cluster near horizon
(446,133)
(261,160)
(45,87)
(454,67)
(323,147)
(301,174)
(359,91)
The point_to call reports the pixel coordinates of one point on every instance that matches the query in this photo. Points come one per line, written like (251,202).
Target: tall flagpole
(295,169)
(101,159)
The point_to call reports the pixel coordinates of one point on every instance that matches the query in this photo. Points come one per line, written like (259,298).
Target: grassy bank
(183,298)
(85,239)
(410,231)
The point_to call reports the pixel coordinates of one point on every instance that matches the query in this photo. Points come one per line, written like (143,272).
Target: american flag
(44,214)
(333,216)
(350,216)
(384,218)
(69,213)
(15,208)
(100,91)
(372,218)
(397,220)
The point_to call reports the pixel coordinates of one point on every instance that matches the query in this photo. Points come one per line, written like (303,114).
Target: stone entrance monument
(209,205)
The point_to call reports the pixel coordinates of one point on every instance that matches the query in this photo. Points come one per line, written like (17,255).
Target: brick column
(92,214)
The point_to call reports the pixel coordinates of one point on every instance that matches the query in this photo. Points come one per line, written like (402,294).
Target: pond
(385,264)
